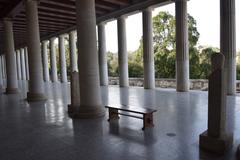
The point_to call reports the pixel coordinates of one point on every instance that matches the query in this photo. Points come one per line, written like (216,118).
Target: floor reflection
(45,131)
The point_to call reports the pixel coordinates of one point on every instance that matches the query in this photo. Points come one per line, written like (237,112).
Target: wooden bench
(147,114)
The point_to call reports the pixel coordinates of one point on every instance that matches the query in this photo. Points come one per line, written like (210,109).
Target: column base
(216,145)
(32,97)
(1,89)
(238,152)
(182,90)
(149,88)
(11,91)
(85,112)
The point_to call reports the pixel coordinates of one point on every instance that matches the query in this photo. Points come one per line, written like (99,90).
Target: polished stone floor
(43,131)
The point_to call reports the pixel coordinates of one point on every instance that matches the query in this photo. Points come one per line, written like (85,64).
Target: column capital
(102,23)
(52,39)
(7,19)
(148,9)
(122,17)
(44,42)
(62,35)
(181,0)
(38,1)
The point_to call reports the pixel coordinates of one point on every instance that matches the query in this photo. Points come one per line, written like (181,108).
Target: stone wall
(196,84)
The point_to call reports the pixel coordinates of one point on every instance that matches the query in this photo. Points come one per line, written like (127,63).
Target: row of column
(22,60)
(148,56)
(182,51)
(62,58)
(22,64)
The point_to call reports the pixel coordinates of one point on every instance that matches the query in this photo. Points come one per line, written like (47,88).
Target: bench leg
(113,114)
(148,121)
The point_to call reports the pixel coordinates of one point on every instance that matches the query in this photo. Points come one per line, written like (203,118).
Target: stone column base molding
(238,153)
(12,91)
(218,145)
(32,97)
(86,112)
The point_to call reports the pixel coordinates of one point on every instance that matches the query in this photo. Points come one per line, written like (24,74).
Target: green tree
(165,45)
(164,34)
(135,64)
(112,64)
(205,61)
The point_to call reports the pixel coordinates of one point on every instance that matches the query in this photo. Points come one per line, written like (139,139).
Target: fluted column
(4,67)
(36,90)
(90,99)
(148,55)
(12,84)
(23,67)
(73,51)
(182,48)
(53,60)
(228,42)
(18,61)
(45,61)
(26,63)
(1,74)
(62,59)
(103,67)
(122,52)
(2,61)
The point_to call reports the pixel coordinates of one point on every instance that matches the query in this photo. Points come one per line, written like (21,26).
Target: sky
(205,12)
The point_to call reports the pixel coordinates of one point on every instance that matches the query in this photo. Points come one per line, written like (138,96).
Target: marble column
(73,51)
(26,63)
(228,42)
(122,52)
(18,60)
(1,74)
(148,53)
(12,83)
(45,61)
(53,61)
(36,88)
(182,48)
(4,67)
(23,66)
(218,138)
(103,66)
(62,58)
(90,100)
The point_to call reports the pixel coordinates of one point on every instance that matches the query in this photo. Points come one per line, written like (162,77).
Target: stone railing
(196,84)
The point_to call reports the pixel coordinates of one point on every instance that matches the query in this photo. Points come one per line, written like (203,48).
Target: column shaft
(122,52)
(36,90)
(62,59)
(18,60)
(23,67)
(182,49)
(1,74)
(26,63)
(53,59)
(4,67)
(103,67)
(11,69)
(90,99)
(228,42)
(73,52)
(45,61)
(148,55)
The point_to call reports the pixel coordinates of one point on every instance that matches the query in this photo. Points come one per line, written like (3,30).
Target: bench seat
(147,113)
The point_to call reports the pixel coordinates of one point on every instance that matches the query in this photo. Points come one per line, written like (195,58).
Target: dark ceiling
(56,16)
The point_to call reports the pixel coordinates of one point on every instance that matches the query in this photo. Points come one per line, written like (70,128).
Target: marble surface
(39,131)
